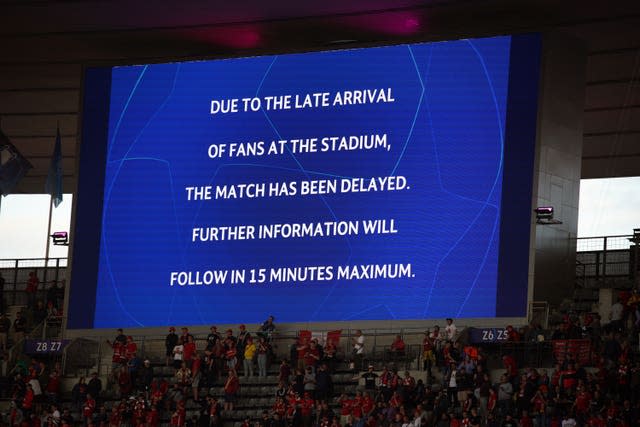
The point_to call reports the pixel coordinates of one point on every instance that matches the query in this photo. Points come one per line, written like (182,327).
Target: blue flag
(13,166)
(54,178)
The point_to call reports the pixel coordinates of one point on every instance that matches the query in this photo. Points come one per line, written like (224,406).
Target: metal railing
(15,273)
(603,257)
(94,353)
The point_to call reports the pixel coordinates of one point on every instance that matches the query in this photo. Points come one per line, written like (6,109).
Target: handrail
(374,342)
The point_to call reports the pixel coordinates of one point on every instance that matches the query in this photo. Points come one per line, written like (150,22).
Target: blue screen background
(446,129)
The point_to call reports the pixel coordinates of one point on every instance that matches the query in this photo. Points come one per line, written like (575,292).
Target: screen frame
(520,144)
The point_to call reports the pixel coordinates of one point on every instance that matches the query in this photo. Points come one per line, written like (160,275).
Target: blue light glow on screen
(389,161)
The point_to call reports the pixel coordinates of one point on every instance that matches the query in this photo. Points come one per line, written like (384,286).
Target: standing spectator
(370,379)
(452,385)
(120,337)
(53,416)
(309,381)
(144,377)
(5,325)
(329,356)
(358,350)
(189,349)
(428,356)
(28,402)
(94,387)
(324,383)
(53,387)
(231,387)
(196,375)
(88,409)
(184,337)
(184,378)
(178,351)
(241,343)
(451,330)
(312,356)
(285,372)
(2,283)
(79,393)
(60,287)
(505,395)
(170,342)
(247,359)
(19,327)
(615,316)
(267,329)
(52,294)
(32,289)
(213,337)
(263,351)
(130,349)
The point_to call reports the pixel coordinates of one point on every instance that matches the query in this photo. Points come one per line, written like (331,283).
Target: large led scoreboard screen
(381,183)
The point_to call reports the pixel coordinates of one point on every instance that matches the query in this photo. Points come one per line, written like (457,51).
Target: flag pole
(46,253)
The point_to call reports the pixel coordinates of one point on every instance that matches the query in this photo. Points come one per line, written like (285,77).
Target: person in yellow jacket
(249,354)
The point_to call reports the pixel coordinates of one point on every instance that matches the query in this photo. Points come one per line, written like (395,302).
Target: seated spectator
(397,347)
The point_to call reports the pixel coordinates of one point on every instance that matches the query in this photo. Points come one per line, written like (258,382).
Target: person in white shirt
(177,355)
(53,418)
(568,421)
(358,350)
(451,330)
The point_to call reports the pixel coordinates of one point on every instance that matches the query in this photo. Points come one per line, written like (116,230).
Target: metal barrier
(15,273)
(599,258)
(95,353)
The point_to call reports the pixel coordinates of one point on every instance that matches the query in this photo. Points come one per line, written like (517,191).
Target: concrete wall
(558,164)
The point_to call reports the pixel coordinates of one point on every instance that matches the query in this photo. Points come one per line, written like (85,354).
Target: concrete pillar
(558,164)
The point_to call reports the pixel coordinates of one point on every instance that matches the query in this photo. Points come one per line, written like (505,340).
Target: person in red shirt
(455,421)
(302,348)
(428,355)
(196,375)
(279,407)
(512,334)
(345,409)
(510,365)
(539,407)
(27,402)
(306,407)
(582,404)
(231,387)
(139,409)
(152,417)
(525,420)
(53,386)
(312,355)
(88,408)
(131,348)
(492,401)
(367,404)
(189,349)
(356,406)
(568,380)
(397,347)
(395,401)
(178,417)
(32,288)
